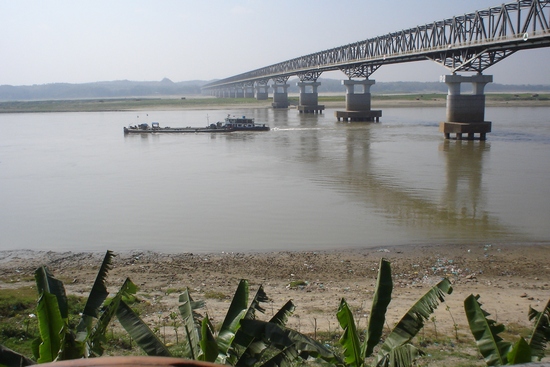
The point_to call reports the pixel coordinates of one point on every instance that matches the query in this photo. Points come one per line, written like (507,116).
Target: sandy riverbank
(170,103)
(509,278)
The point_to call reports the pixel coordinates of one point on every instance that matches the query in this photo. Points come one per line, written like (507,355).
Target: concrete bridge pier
(248,92)
(280,95)
(466,112)
(261,91)
(358,102)
(309,98)
(238,93)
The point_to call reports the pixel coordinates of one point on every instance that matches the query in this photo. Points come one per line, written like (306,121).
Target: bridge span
(468,43)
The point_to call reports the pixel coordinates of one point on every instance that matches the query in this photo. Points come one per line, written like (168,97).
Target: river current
(74,182)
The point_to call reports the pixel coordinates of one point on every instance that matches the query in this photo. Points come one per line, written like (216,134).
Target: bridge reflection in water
(454,208)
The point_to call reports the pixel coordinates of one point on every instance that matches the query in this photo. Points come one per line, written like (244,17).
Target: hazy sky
(50,41)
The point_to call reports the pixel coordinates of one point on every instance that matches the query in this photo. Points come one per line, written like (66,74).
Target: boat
(230,124)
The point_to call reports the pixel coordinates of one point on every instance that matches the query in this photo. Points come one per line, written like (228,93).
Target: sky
(68,41)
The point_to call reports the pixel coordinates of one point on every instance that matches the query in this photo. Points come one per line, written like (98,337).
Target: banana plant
(241,340)
(497,351)
(396,343)
(191,324)
(396,350)
(57,340)
(219,348)
(541,332)
(286,344)
(139,331)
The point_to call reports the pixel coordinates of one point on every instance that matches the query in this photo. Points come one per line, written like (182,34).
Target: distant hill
(114,89)
(165,87)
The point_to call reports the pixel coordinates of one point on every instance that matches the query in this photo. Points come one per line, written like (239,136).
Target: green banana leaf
(349,339)
(140,332)
(285,358)
(413,321)
(243,341)
(255,305)
(50,326)
(485,331)
(99,292)
(97,335)
(131,322)
(232,322)
(402,356)
(70,347)
(520,352)
(281,317)
(380,302)
(256,347)
(45,282)
(209,345)
(281,338)
(541,331)
(95,300)
(35,347)
(187,309)
(52,315)
(311,348)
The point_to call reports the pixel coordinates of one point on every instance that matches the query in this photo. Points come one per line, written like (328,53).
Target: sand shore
(509,278)
(172,103)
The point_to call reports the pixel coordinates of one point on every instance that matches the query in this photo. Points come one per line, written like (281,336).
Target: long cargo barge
(230,124)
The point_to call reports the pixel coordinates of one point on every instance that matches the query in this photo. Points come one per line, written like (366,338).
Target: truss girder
(359,70)
(281,79)
(471,60)
(309,76)
(472,41)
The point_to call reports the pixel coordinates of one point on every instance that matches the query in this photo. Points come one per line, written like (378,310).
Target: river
(74,182)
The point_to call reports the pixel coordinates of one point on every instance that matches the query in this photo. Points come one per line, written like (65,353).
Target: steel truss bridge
(465,43)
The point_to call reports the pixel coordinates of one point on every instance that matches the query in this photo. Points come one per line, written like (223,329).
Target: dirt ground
(509,278)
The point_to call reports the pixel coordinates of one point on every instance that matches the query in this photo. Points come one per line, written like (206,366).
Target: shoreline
(171,104)
(509,278)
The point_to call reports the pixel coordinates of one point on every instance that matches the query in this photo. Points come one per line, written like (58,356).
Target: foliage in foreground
(58,339)
(497,351)
(244,340)
(396,349)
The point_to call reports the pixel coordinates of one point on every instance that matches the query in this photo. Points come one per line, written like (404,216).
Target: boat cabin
(235,122)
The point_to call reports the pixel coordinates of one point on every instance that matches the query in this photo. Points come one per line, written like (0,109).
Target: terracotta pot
(141,361)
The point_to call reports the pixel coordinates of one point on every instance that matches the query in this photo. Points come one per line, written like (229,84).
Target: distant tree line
(165,87)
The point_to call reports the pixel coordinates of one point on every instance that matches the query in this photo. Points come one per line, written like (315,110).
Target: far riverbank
(202,102)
